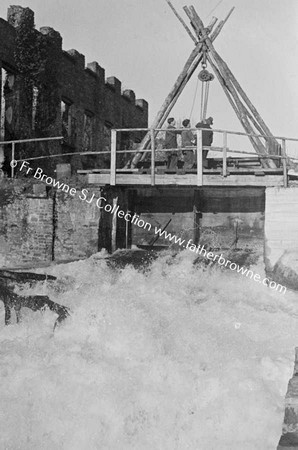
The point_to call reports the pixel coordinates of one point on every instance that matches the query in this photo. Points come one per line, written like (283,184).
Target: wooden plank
(217,192)
(199,158)
(182,22)
(284,162)
(165,204)
(117,170)
(114,226)
(188,180)
(113,157)
(152,157)
(12,157)
(224,155)
(221,24)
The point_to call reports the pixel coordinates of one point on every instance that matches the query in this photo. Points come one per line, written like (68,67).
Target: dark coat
(171,137)
(207,136)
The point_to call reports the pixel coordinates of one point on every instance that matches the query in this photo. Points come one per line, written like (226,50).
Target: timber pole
(240,112)
(226,80)
(189,68)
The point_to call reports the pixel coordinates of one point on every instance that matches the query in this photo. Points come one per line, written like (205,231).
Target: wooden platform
(235,177)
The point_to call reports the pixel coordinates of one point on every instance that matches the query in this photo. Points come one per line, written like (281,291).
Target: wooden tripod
(246,112)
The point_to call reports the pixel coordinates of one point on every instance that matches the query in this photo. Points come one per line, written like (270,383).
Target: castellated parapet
(47,91)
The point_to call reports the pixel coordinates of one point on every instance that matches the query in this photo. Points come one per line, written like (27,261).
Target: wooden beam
(254,111)
(114,226)
(182,22)
(239,111)
(200,157)
(113,157)
(221,25)
(229,77)
(224,154)
(171,99)
(152,135)
(188,180)
(284,162)
(188,69)
(225,80)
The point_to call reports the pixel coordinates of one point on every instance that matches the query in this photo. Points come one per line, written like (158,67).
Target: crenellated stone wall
(47,91)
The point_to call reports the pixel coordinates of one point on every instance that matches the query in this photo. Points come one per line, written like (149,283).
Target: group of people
(188,139)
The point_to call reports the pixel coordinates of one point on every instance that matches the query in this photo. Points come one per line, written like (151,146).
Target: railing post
(284,162)
(114,226)
(152,157)
(127,231)
(224,154)
(199,158)
(113,157)
(12,158)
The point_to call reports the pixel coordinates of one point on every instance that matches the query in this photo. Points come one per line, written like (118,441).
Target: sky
(142,43)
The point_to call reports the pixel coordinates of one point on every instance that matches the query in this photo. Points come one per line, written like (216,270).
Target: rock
(138,258)
(285,270)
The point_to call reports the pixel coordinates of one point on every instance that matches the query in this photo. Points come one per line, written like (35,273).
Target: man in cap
(188,140)
(171,143)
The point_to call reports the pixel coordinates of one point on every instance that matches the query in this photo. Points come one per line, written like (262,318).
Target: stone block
(114,83)
(17,15)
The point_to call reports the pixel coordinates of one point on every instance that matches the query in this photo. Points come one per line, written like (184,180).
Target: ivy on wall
(37,65)
(37,57)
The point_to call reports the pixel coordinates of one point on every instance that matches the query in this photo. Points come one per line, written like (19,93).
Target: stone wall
(76,226)
(39,224)
(26,230)
(47,91)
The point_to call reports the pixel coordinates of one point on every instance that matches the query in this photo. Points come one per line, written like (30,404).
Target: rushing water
(174,357)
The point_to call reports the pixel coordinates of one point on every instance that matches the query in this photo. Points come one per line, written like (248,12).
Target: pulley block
(205,75)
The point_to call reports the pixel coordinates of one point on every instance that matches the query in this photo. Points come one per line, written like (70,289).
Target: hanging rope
(204,99)
(194,99)
(215,7)
(205,77)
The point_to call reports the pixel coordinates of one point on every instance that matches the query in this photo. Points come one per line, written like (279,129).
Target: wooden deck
(211,177)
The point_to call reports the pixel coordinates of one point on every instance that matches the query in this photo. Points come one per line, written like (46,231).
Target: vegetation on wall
(37,63)
(36,69)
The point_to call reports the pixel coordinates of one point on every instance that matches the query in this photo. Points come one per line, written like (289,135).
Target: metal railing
(225,150)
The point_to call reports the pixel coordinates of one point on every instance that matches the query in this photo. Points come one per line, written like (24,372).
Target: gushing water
(174,357)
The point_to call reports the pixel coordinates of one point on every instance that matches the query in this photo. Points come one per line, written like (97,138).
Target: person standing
(207,137)
(187,140)
(171,143)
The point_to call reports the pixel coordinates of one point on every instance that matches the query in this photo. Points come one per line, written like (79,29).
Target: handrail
(23,141)
(199,150)
(225,150)
(215,130)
